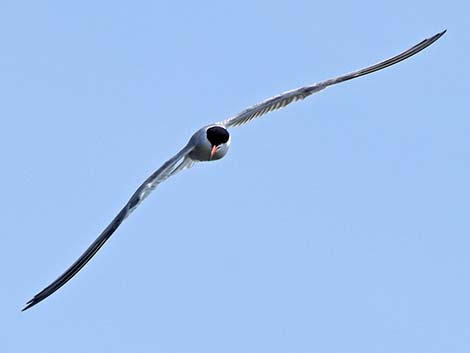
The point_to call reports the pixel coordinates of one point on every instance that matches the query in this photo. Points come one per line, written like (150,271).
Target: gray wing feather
(297,94)
(168,169)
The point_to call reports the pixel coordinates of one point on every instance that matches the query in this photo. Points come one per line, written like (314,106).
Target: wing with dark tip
(297,94)
(169,168)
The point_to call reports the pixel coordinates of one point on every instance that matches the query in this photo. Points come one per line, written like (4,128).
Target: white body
(202,147)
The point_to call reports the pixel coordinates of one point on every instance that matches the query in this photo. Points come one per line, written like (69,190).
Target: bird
(211,143)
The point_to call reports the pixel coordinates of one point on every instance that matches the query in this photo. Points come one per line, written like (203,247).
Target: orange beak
(213,151)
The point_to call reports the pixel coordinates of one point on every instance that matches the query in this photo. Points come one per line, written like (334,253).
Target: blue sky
(339,224)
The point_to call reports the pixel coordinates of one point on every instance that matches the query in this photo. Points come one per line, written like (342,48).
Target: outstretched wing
(176,163)
(297,94)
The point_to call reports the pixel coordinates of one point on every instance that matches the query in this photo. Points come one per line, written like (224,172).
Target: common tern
(211,143)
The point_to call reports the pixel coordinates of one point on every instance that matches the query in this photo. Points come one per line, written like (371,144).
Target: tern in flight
(209,144)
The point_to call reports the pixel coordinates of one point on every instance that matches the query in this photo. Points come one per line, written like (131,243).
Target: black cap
(217,135)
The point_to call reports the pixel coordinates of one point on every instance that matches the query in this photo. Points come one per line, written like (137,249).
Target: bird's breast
(202,147)
(202,152)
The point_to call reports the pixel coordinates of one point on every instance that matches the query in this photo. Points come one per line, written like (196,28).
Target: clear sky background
(339,224)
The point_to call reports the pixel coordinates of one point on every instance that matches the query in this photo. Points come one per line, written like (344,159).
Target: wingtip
(440,34)
(430,40)
(29,304)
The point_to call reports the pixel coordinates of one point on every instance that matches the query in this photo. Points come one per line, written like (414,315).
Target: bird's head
(219,140)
